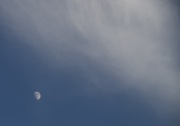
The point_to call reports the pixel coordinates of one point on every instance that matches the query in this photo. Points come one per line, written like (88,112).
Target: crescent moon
(37,95)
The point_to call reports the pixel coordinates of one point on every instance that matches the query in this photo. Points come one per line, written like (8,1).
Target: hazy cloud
(132,40)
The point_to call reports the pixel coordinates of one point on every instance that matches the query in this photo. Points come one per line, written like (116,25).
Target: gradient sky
(95,62)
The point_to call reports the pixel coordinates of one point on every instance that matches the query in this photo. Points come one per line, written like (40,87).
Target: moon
(37,95)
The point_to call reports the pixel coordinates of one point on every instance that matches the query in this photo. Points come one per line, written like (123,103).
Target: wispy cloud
(131,39)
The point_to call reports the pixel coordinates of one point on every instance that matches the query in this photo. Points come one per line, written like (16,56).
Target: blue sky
(101,63)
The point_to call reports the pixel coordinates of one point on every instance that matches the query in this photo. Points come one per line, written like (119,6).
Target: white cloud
(130,38)
(136,38)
